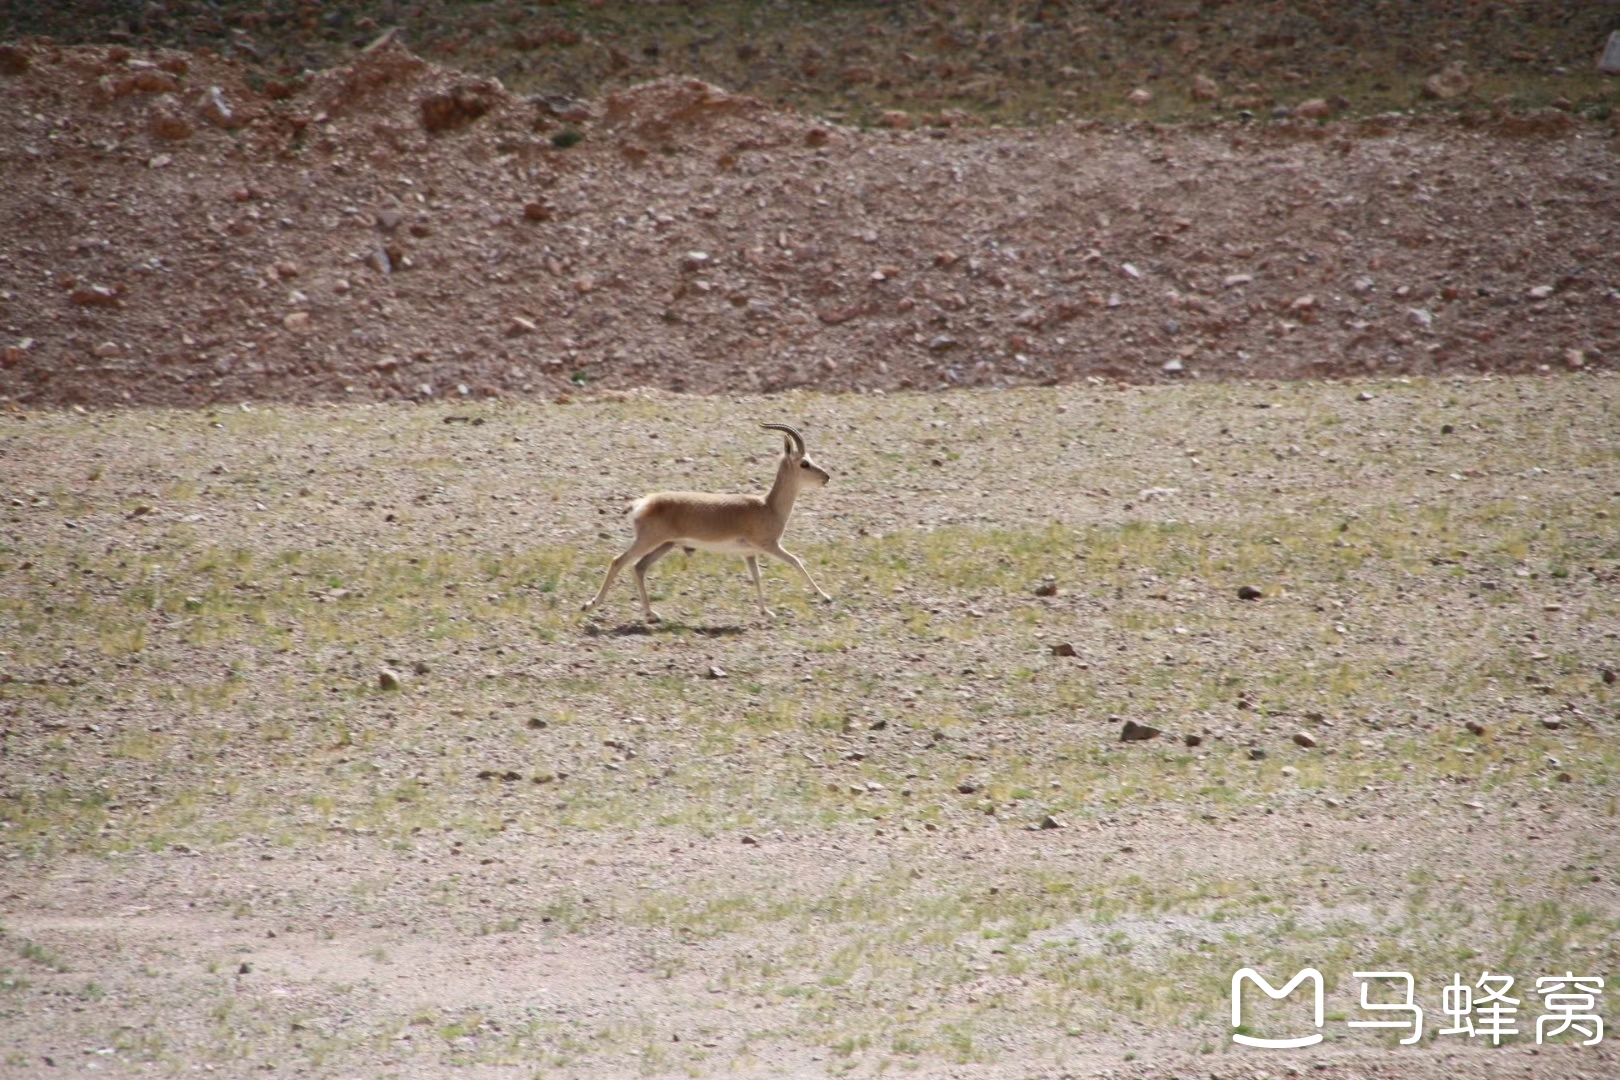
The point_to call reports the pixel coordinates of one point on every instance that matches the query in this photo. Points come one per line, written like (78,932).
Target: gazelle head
(806,472)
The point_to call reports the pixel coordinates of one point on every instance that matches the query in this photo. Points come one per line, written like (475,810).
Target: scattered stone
(538,210)
(895,119)
(1451,82)
(968,787)
(1609,63)
(1314,109)
(1289,771)
(1551,723)
(1256,753)
(1063,648)
(1540,292)
(1140,96)
(458,106)
(1447,429)
(941,342)
(1565,778)
(1047,586)
(1193,740)
(520,326)
(214,109)
(1050,822)
(13,61)
(389,679)
(107,350)
(1364,396)
(1303,739)
(168,123)
(1173,367)
(1134,732)
(1232,281)
(716,672)
(1608,673)
(94,296)
(1205,88)
(537,723)
(1475,727)
(420,667)
(1249,592)
(298,322)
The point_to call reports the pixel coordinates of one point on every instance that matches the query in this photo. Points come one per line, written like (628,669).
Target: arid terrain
(1221,534)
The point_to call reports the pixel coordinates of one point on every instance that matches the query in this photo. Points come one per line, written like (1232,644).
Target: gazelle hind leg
(759,590)
(642,565)
(793,560)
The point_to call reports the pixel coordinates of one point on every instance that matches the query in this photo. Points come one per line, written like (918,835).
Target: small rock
(750,841)
(107,350)
(1565,778)
(520,326)
(1063,648)
(168,123)
(14,61)
(1540,292)
(420,667)
(1314,109)
(389,679)
(537,723)
(895,119)
(1364,396)
(1205,88)
(1303,739)
(1256,753)
(1193,740)
(298,322)
(1140,96)
(1451,82)
(1249,592)
(716,672)
(539,210)
(1232,281)
(1608,673)
(1050,822)
(1289,771)
(695,260)
(1173,367)
(215,109)
(1475,727)
(1134,732)
(94,296)
(967,787)
(1046,587)
(1447,429)
(941,342)
(1551,723)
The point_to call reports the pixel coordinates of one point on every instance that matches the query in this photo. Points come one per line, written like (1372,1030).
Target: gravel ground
(899,833)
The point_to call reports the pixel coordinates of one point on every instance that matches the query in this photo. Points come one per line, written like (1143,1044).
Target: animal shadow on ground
(636,628)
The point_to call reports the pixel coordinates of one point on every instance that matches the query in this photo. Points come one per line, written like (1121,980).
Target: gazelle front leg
(759,590)
(788,557)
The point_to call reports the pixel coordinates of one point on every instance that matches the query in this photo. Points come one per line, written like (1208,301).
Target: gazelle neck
(785,489)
